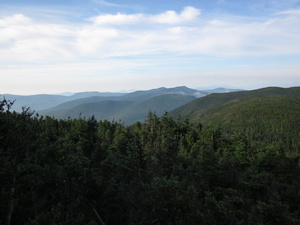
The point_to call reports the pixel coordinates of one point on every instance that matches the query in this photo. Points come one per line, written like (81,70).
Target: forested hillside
(269,119)
(265,115)
(162,171)
(195,108)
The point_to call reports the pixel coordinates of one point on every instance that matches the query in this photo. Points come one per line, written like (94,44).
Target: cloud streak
(106,3)
(188,14)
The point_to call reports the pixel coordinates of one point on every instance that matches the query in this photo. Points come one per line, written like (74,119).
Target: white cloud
(190,13)
(117,19)
(119,50)
(24,39)
(91,40)
(17,19)
(290,12)
(31,41)
(171,17)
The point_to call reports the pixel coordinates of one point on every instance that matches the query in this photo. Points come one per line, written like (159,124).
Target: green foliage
(194,108)
(84,171)
(268,116)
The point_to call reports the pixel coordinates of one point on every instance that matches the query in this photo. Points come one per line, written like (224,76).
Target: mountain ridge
(123,110)
(217,99)
(41,102)
(132,107)
(270,115)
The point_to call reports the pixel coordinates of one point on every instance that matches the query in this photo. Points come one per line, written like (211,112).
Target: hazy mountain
(144,95)
(35,102)
(44,101)
(134,97)
(74,103)
(100,110)
(126,111)
(159,104)
(221,90)
(94,93)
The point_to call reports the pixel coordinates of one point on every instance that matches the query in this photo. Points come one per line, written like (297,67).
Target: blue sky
(113,45)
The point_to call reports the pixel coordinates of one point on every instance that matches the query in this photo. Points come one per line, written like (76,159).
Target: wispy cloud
(272,5)
(169,17)
(106,3)
(117,19)
(289,12)
(24,39)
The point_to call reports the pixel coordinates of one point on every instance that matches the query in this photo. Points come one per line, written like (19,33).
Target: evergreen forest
(162,171)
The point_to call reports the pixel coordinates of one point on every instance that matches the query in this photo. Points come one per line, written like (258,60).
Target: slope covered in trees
(266,115)
(270,119)
(196,107)
(163,171)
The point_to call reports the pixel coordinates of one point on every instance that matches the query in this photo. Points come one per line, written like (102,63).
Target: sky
(58,46)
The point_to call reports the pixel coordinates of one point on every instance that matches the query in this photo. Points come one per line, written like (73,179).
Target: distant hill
(44,101)
(137,96)
(130,107)
(77,102)
(127,107)
(143,95)
(123,110)
(159,104)
(100,110)
(220,90)
(35,102)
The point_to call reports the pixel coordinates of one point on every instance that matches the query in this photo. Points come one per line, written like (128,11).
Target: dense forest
(162,171)
(266,119)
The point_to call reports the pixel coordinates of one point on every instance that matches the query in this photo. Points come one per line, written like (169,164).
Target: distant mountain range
(44,101)
(127,107)
(209,107)
(269,114)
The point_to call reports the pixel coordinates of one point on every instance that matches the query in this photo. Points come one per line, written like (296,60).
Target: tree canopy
(162,171)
